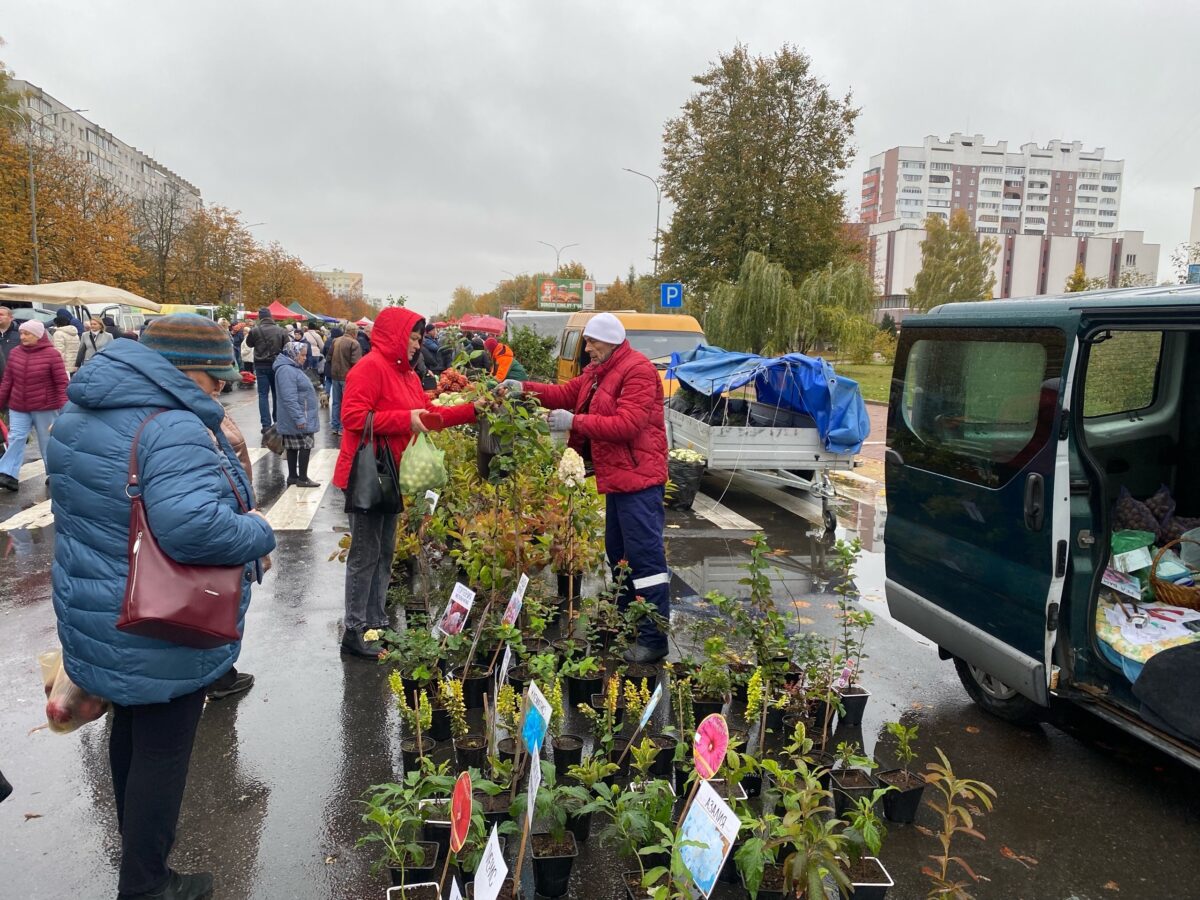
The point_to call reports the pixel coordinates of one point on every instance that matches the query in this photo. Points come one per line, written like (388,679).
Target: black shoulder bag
(373,485)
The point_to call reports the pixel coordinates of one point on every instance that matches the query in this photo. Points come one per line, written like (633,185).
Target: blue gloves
(512,386)
(560,419)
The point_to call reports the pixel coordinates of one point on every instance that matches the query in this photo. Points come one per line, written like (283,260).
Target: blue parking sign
(671,294)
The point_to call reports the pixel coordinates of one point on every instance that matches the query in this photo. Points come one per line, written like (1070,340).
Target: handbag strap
(369,429)
(133,466)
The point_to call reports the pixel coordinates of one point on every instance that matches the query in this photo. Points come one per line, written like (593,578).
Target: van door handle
(1035,502)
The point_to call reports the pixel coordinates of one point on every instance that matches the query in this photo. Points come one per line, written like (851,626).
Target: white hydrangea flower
(570,468)
(372,634)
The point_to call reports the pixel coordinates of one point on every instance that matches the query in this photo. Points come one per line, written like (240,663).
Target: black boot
(302,465)
(178,887)
(292,456)
(5,787)
(354,645)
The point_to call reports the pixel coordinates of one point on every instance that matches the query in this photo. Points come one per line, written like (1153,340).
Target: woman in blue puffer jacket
(157,688)
(296,419)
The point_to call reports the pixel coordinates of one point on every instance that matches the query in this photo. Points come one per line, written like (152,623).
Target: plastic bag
(67,705)
(422,467)
(686,478)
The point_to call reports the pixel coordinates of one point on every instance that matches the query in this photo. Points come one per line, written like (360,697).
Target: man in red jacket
(614,412)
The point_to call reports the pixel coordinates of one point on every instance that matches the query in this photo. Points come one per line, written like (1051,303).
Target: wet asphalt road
(1082,811)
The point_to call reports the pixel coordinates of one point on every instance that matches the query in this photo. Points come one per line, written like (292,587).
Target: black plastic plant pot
(411,756)
(580,690)
(901,805)
(552,871)
(681,779)
(704,707)
(427,890)
(564,586)
(869,880)
(475,685)
(568,751)
(597,703)
(506,749)
(775,719)
(854,700)
(729,871)
(771,887)
(415,874)
(468,872)
(848,788)
(471,751)
(495,809)
(661,767)
(654,860)
(518,677)
(436,827)
(580,826)
(439,730)
(752,784)
(412,689)
(506,891)
(618,751)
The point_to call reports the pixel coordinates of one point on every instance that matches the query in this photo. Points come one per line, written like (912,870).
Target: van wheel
(995,696)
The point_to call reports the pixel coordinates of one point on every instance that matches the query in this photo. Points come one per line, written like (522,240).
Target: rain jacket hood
(389,334)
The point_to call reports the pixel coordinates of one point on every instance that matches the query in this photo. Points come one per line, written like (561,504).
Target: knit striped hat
(192,342)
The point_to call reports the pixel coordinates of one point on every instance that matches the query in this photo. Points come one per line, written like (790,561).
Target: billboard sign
(566,294)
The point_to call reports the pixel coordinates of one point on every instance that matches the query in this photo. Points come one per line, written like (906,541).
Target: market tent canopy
(67,293)
(488,324)
(295,307)
(278,311)
(364,321)
(795,381)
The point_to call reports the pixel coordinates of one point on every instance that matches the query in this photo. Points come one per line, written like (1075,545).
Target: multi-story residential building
(1060,189)
(342,284)
(122,164)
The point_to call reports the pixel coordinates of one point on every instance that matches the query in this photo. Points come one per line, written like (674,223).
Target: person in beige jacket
(65,340)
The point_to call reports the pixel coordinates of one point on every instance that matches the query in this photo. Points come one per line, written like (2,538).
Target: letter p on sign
(671,294)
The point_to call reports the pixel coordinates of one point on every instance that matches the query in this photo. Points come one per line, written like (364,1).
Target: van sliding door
(975,528)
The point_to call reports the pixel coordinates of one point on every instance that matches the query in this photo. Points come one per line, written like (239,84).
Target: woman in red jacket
(33,390)
(614,412)
(382,382)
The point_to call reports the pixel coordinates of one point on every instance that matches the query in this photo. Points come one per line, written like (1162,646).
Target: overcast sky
(433,144)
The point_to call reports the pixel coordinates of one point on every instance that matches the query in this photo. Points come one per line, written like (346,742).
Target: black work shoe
(178,887)
(292,479)
(640,653)
(9,483)
(306,483)
(354,645)
(5,787)
(241,683)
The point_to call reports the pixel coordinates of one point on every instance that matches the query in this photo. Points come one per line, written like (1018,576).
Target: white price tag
(432,497)
(492,871)
(535,782)
(455,893)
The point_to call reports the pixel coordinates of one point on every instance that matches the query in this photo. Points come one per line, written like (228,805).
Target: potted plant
(417,717)
(554,850)
(586,776)
(584,677)
(900,805)
(470,748)
(632,823)
(864,835)
(811,844)
(953,800)
(393,811)
(604,721)
(854,625)
(851,776)
(568,748)
(644,756)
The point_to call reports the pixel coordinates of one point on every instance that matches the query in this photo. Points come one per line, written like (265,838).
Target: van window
(570,344)
(977,404)
(659,345)
(1122,373)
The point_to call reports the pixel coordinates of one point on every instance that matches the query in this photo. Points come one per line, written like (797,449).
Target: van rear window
(1122,373)
(977,404)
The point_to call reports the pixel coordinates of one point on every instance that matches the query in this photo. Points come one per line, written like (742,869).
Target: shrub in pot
(864,835)
(554,850)
(586,776)
(633,820)
(900,805)
(584,678)
(854,625)
(851,776)
(393,812)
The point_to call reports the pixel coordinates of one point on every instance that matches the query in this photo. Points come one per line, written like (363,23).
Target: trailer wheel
(829,517)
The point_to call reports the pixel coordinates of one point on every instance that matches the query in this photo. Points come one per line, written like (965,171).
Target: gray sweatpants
(369,569)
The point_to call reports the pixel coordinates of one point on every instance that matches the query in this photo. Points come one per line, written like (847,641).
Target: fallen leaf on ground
(1027,861)
(674,526)
(801,604)
(1111,886)
(916,705)
(29,816)
(971,729)
(831,606)
(803,620)
(330,860)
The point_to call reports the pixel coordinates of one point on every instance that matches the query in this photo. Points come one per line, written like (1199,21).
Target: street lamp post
(558,253)
(657,211)
(33,235)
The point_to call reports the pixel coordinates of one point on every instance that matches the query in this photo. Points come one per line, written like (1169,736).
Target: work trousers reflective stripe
(633,531)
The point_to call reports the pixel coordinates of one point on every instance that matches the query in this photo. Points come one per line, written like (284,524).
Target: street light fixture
(657,210)
(558,253)
(33,235)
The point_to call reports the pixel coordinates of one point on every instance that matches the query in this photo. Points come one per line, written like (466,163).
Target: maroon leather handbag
(194,606)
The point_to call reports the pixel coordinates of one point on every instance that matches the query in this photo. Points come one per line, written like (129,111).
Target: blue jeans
(19,426)
(264,379)
(335,405)
(633,531)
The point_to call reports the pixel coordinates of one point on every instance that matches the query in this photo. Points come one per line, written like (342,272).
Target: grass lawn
(874,379)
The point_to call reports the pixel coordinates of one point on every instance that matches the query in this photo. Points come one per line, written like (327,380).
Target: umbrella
(78,293)
(489,324)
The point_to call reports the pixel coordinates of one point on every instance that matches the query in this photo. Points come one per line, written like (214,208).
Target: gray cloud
(432,144)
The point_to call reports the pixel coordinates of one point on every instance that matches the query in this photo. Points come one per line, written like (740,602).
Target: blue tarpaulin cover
(795,382)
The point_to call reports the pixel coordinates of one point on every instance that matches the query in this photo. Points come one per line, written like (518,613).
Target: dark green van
(1013,427)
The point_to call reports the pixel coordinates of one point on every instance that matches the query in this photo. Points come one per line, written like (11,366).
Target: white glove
(513,387)
(560,419)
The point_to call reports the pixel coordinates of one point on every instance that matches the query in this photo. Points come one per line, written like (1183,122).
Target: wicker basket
(1168,592)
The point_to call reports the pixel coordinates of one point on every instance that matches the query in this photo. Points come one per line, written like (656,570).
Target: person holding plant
(384,384)
(614,413)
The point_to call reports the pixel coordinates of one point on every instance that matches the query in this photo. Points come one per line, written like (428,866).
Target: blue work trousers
(264,379)
(633,531)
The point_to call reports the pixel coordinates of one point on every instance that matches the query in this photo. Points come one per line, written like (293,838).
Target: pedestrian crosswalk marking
(30,471)
(37,516)
(295,510)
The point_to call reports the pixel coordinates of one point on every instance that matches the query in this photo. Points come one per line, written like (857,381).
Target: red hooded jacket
(384,382)
(624,420)
(35,378)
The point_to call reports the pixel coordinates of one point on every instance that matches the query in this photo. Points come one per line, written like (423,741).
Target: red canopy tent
(487,324)
(278,311)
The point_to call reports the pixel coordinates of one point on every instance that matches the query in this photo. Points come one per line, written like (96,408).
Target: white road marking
(296,508)
(29,471)
(37,516)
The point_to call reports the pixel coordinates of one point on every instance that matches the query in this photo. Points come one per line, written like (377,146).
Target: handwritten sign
(460,812)
(455,892)
(462,598)
(710,744)
(535,782)
(650,707)
(708,833)
(537,717)
(492,871)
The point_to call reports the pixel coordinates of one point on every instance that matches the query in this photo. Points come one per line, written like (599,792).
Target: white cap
(605,327)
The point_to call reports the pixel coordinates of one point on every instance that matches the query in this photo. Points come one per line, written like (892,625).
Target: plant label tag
(710,744)
(462,598)
(490,875)
(432,497)
(650,707)
(505,662)
(522,586)
(461,802)
(1122,583)
(535,782)
(708,831)
(455,893)
(512,610)
(536,719)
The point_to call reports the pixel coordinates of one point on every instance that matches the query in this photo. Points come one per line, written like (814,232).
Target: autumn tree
(752,165)
(956,263)
(214,249)
(462,302)
(161,217)
(618,296)
(1078,280)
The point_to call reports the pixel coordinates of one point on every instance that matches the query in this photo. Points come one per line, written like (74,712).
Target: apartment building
(1057,190)
(345,285)
(120,163)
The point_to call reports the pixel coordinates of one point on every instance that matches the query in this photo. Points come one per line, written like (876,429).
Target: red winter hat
(490,345)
